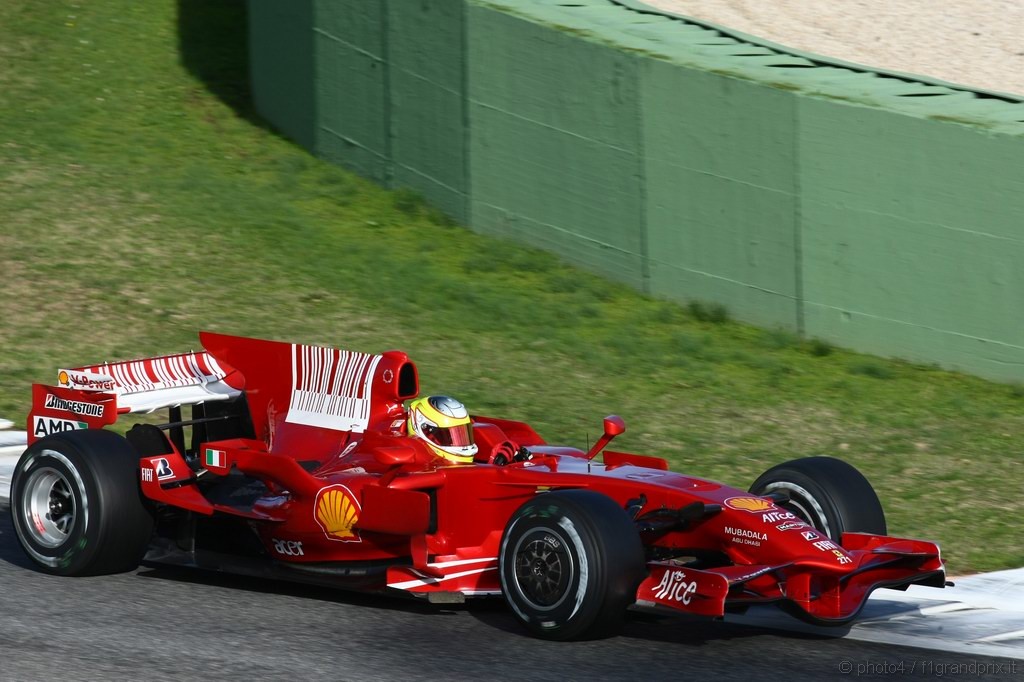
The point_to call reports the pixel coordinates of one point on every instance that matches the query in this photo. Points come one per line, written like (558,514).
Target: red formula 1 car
(305,463)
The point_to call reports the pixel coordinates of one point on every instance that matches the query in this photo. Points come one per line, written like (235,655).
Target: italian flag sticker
(215,458)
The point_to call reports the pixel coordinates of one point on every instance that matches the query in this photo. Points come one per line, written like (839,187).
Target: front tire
(827,493)
(570,564)
(76,504)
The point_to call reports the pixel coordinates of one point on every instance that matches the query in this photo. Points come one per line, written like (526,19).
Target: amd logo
(44,426)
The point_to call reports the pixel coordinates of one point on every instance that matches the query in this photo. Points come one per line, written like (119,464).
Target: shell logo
(337,512)
(63,379)
(750,504)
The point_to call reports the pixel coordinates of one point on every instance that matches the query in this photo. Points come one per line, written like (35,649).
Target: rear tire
(76,504)
(827,493)
(570,564)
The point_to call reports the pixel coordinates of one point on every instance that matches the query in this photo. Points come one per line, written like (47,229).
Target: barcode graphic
(185,369)
(331,388)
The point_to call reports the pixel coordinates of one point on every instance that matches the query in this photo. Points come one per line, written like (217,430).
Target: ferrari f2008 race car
(306,463)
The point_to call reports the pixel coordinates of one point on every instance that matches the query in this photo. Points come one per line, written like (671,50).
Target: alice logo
(337,513)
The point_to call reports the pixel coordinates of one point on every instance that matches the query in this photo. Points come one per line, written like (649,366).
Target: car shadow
(693,631)
(491,613)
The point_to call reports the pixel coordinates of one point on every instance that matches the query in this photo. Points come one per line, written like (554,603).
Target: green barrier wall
(428,103)
(282,68)
(376,86)
(913,237)
(721,192)
(555,157)
(353,115)
(879,211)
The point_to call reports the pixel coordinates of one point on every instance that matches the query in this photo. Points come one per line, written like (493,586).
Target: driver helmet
(444,425)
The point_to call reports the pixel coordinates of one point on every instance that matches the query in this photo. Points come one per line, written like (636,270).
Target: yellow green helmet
(443,424)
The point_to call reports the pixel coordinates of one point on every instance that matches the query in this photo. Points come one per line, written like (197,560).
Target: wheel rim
(803,504)
(49,507)
(543,569)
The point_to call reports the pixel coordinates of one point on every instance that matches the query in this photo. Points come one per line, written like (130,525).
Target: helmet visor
(458,436)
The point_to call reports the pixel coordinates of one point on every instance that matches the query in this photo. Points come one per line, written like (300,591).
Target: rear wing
(94,396)
(154,383)
(297,397)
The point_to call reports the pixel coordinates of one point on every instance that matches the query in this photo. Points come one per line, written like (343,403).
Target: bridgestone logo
(73,406)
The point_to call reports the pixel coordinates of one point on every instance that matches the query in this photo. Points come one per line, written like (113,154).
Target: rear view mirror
(613,426)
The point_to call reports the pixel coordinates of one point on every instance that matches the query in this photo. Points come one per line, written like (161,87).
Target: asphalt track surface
(160,624)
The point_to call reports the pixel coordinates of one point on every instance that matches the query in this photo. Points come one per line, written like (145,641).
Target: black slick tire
(570,564)
(827,493)
(76,504)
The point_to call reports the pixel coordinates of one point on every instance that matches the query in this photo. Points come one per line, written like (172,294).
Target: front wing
(821,593)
